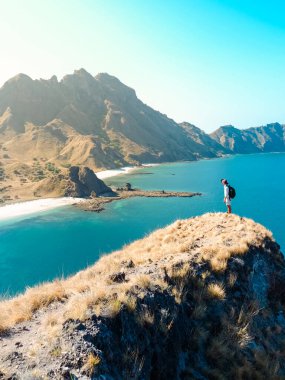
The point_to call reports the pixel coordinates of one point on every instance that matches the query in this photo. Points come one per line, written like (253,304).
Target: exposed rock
(96,204)
(118,277)
(84,182)
(206,142)
(203,299)
(269,138)
(104,124)
(98,122)
(128,264)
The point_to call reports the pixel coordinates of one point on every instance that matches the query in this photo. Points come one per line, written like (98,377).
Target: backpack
(232,192)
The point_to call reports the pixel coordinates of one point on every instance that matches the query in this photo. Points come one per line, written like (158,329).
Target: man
(227,199)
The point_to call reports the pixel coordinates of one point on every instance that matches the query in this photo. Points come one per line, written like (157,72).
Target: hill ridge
(201,298)
(98,122)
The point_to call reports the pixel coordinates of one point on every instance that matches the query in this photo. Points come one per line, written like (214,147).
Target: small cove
(60,242)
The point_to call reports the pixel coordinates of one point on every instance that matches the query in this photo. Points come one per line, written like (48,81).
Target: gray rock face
(175,314)
(83,182)
(268,138)
(163,339)
(121,128)
(125,130)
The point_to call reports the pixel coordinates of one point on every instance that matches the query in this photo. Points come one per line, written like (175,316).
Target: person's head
(224,181)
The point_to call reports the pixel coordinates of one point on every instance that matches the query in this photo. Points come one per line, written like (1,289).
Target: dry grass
(91,363)
(142,280)
(216,291)
(212,237)
(56,351)
(113,308)
(131,303)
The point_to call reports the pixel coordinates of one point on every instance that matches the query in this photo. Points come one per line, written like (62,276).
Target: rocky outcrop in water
(83,182)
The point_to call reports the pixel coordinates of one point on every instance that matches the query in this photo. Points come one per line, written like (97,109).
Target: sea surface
(60,242)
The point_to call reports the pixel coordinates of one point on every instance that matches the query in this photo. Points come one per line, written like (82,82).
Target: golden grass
(212,237)
(142,281)
(56,351)
(216,290)
(131,303)
(91,363)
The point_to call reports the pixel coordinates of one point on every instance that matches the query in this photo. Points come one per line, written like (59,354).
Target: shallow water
(60,242)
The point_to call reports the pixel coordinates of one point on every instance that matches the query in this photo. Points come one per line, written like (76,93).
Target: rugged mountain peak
(268,138)
(114,84)
(271,126)
(54,79)
(190,126)
(104,123)
(105,77)
(187,124)
(229,127)
(19,78)
(82,73)
(204,140)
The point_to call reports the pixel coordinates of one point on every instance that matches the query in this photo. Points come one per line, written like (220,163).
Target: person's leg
(229,209)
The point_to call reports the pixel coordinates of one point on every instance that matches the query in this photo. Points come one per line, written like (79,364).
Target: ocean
(60,242)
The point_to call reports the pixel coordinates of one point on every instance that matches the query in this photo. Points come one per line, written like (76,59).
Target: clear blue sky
(209,62)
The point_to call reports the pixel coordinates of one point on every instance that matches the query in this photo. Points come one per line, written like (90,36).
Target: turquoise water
(63,241)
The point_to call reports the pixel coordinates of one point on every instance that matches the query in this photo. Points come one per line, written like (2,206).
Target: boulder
(83,181)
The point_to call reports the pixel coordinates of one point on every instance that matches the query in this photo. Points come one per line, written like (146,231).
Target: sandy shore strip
(39,205)
(125,170)
(112,173)
(35,206)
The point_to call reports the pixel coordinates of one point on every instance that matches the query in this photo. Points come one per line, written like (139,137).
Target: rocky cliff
(47,126)
(94,121)
(83,182)
(269,138)
(200,299)
(206,142)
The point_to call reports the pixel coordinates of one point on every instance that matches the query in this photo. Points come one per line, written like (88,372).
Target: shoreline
(104,174)
(33,206)
(97,204)
(19,209)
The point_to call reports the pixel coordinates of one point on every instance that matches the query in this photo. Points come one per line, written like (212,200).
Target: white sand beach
(39,205)
(127,169)
(114,172)
(31,207)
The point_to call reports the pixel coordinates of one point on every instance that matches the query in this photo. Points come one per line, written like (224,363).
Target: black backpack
(232,192)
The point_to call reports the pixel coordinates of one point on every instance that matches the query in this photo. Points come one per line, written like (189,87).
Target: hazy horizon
(210,63)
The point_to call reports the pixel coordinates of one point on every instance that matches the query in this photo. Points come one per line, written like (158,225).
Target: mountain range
(46,126)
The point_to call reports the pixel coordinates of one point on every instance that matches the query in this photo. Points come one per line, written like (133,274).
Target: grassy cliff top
(211,238)
(202,298)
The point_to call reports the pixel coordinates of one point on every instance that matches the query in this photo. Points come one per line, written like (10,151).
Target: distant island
(49,126)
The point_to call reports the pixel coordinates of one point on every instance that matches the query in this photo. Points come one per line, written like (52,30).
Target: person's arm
(227,193)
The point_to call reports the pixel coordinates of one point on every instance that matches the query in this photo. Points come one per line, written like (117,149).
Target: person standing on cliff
(227,199)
